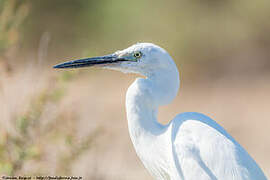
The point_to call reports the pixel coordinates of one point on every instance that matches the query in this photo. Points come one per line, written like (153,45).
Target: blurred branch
(76,150)
(12,15)
(27,144)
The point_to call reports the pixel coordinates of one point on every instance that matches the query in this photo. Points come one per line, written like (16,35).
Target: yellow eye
(137,54)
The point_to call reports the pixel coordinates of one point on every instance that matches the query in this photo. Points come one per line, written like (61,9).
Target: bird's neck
(144,97)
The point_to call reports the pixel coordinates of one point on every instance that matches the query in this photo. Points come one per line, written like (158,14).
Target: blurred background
(73,122)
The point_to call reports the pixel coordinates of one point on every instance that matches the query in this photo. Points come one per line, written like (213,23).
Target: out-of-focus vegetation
(29,134)
(12,15)
(197,32)
(25,136)
(42,120)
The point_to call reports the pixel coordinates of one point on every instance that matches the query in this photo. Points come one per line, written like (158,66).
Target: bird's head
(141,58)
(146,59)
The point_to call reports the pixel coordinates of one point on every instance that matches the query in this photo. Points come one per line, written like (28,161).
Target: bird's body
(192,146)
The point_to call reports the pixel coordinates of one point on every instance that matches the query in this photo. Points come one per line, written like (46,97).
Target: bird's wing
(204,150)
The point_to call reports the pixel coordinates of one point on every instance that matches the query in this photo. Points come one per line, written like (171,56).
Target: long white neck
(144,97)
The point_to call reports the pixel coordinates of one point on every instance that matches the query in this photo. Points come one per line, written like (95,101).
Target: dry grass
(63,123)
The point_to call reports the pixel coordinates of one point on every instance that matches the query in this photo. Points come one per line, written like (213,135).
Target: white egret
(192,146)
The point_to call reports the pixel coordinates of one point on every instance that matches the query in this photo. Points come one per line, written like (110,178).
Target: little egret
(192,146)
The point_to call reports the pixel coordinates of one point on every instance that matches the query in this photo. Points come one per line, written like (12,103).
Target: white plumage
(192,146)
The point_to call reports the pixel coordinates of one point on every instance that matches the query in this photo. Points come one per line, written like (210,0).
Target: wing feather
(205,151)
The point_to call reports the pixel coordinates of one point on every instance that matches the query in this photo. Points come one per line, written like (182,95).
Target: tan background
(73,122)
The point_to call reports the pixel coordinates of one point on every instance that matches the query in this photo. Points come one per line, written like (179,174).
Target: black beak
(101,60)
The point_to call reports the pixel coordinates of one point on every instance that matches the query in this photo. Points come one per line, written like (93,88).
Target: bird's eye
(137,54)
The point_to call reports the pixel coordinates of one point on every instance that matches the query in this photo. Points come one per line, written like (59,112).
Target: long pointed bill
(101,60)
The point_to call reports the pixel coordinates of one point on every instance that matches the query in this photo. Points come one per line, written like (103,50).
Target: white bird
(192,146)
